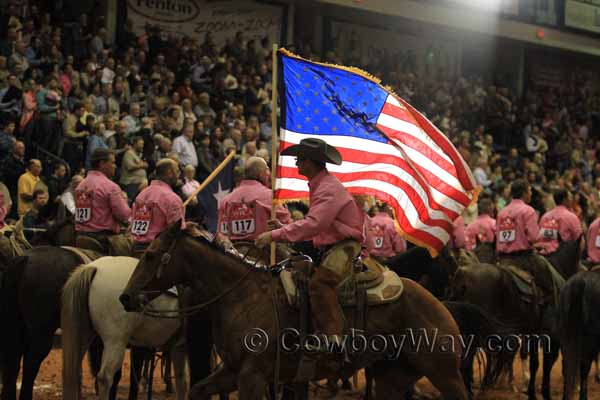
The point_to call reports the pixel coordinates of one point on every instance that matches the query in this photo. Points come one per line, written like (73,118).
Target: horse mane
(413,255)
(202,236)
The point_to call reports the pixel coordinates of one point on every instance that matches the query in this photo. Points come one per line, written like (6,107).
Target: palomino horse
(247,301)
(579,329)
(90,307)
(494,290)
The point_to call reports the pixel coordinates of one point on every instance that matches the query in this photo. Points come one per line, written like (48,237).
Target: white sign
(583,14)
(223,20)
(499,6)
(359,44)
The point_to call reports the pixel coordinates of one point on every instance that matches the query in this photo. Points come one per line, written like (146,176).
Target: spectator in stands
(33,218)
(183,146)
(106,103)
(57,183)
(133,170)
(75,135)
(68,196)
(26,185)
(7,144)
(96,141)
(48,104)
(133,121)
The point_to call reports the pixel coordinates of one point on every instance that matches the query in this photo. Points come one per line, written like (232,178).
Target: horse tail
(474,323)
(77,330)
(571,324)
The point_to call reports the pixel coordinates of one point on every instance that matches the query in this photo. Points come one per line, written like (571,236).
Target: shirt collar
(316,180)
(250,183)
(518,201)
(158,182)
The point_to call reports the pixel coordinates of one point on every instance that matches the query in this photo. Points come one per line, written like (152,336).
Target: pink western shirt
(333,215)
(516,227)
(482,229)
(386,242)
(593,242)
(558,223)
(457,240)
(155,208)
(244,213)
(99,204)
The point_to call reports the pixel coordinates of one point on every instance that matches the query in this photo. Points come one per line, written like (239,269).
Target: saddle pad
(373,265)
(86,256)
(387,291)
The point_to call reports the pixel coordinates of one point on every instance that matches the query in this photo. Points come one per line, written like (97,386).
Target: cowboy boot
(326,311)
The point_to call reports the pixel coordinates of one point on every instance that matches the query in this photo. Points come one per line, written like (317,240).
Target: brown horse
(245,300)
(494,290)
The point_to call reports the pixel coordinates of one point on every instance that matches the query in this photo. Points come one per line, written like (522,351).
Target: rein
(185,311)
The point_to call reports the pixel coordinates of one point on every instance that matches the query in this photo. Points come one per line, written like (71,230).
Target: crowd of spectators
(158,95)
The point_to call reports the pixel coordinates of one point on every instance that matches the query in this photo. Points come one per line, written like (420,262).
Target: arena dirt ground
(48,385)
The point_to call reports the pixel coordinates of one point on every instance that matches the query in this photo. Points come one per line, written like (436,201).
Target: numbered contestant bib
(224,225)
(549,230)
(506,231)
(242,219)
(598,241)
(83,206)
(141,219)
(377,234)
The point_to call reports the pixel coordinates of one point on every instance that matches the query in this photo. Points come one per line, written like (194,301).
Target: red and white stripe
(419,172)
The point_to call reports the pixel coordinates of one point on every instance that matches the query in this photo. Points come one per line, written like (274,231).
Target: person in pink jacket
(558,224)
(244,213)
(593,242)
(100,205)
(516,231)
(156,207)
(458,240)
(334,223)
(386,242)
(483,228)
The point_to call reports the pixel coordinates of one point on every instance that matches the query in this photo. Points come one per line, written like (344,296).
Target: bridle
(165,260)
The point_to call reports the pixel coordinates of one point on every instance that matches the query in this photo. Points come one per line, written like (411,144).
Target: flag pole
(274,144)
(211,177)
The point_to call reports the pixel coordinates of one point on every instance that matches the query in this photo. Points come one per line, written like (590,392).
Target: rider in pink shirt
(244,213)
(517,230)
(516,226)
(386,240)
(157,206)
(593,242)
(335,225)
(100,205)
(457,240)
(558,224)
(483,228)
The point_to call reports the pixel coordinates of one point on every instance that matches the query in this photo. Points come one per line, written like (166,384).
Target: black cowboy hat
(316,150)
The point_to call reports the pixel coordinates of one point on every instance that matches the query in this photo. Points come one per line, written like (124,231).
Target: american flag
(389,150)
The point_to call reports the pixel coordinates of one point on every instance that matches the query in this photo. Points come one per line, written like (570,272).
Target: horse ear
(174,230)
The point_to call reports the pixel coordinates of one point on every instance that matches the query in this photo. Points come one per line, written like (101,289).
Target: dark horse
(30,311)
(432,273)
(494,290)
(31,288)
(579,329)
(246,299)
